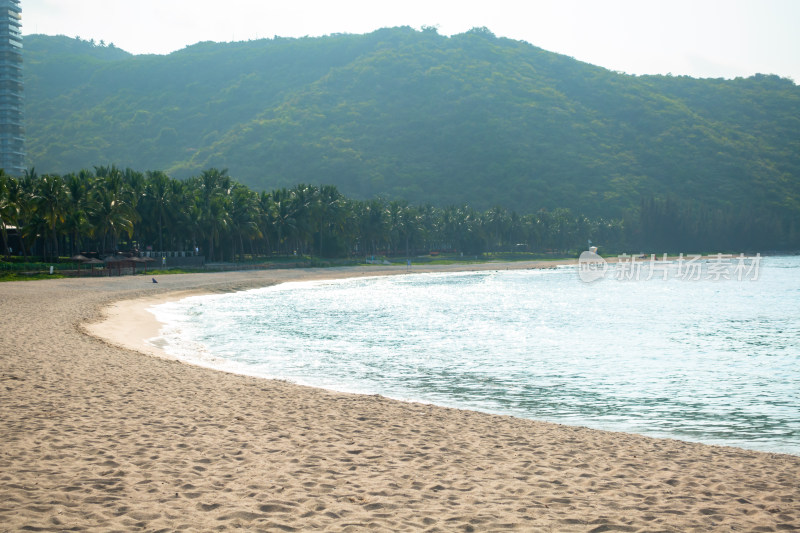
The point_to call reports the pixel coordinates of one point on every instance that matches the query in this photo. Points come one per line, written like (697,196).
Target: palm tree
(182,214)
(110,209)
(463,230)
(516,230)
(157,190)
(51,205)
(243,215)
(431,226)
(410,225)
(267,215)
(76,221)
(306,208)
(212,188)
(373,227)
(497,224)
(329,212)
(563,228)
(21,205)
(284,211)
(135,184)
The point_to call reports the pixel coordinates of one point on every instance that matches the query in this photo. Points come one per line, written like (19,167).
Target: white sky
(701,38)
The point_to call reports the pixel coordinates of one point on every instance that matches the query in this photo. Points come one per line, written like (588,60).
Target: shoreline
(129,324)
(101,437)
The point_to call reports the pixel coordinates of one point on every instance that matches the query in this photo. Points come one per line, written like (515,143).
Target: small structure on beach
(120,265)
(143,261)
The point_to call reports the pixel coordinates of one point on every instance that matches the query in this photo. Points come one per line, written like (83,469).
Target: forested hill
(412,114)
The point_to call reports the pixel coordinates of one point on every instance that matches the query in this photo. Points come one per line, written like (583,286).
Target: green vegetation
(109,209)
(424,135)
(16,276)
(403,114)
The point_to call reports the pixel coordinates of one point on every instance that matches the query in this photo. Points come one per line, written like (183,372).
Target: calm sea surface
(701,360)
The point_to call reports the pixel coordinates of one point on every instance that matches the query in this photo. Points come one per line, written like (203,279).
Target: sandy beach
(105,434)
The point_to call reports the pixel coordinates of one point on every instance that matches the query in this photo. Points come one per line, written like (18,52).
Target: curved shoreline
(133,324)
(128,323)
(98,437)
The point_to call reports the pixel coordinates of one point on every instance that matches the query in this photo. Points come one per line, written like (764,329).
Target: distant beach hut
(120,263)
(143,261)
(78,258)
(92,262)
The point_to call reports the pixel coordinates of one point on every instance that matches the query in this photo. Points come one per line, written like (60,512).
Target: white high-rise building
(12,96)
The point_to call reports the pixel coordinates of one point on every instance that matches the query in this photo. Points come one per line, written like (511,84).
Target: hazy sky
(703,38)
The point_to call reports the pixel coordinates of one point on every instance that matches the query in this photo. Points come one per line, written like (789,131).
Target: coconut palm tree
(243,215)
(212,190)
(182,215)
(497,223)
(157,191)
(329,212)
(51,205)
(110,209)
(373,227)
(305,199)
(22,206)
(76,222)
(284,212)
(267,215)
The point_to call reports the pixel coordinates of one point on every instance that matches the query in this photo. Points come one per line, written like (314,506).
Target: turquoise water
(708,361)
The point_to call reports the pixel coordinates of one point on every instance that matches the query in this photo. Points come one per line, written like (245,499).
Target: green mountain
(412,114)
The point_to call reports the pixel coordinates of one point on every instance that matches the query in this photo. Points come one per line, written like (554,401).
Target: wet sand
(97,435)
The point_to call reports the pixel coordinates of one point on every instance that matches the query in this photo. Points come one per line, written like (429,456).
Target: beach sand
(96,435)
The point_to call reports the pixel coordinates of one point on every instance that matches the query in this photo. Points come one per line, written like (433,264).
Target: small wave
(694,360)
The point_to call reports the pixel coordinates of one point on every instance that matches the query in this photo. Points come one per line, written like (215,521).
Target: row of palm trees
(110,209)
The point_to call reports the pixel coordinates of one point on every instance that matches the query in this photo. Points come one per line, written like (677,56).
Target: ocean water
(706,360)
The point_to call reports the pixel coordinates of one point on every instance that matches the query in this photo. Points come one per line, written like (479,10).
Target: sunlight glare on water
(708,361)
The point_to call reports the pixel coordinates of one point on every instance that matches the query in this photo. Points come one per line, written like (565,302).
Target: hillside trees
(415,116)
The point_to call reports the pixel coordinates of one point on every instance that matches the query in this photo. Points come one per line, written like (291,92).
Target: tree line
(109,209)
